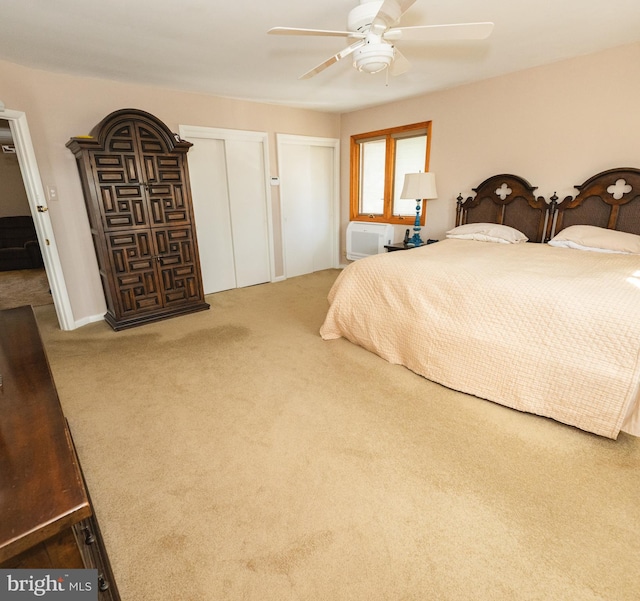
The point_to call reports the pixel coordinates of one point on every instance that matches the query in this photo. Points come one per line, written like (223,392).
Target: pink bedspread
(550,331)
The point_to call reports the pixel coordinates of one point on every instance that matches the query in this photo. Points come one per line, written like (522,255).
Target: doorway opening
(23,279)
(23,147)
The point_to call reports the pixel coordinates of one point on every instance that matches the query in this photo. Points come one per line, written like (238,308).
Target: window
(379,161)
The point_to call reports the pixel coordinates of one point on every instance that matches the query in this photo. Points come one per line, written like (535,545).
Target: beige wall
(59,106)
(554,126)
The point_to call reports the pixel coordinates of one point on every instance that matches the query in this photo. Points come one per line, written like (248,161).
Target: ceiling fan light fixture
(373,58)
(373,27)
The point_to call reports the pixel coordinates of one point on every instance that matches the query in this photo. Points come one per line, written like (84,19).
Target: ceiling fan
(372,25)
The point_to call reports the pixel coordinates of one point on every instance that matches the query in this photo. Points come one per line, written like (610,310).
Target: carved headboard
(610,199)
(507,200)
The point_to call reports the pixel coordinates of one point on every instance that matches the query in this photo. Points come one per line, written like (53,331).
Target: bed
(516,305)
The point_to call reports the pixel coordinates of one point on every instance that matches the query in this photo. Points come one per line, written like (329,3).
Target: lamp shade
(419,186)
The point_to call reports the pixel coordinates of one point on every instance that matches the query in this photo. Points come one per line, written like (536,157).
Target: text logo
(67,585)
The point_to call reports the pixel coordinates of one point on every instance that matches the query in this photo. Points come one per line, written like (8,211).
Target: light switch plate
(52,193)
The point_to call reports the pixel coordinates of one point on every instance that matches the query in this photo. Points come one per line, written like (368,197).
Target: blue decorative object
(415,239)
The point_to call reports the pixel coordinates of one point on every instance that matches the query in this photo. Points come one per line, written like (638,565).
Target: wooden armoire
(136,188)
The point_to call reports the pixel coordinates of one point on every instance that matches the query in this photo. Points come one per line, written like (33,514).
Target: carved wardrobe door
(136,187)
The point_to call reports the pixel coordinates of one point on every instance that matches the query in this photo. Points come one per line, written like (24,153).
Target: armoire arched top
(99,136)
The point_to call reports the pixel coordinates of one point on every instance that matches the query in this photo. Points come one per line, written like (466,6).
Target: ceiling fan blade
(389,14)
(318,32)
(400,63)
(455,31)
(334,59)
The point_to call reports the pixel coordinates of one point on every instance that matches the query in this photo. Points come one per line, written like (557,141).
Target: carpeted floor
(234,455)
(24,287)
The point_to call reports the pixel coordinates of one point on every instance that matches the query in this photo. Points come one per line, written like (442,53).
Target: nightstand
(402,246)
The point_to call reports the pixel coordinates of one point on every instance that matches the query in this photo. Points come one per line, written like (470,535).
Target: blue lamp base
(415,240)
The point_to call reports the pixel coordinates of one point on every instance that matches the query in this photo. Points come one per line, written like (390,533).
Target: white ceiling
(222,48)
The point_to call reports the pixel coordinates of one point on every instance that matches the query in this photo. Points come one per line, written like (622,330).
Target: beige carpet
(234,455)
(24,287)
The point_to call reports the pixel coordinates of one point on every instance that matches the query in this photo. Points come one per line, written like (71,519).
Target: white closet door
(246,176)
(297,229)
(308,178)
(227,171)
(209,189)
(321,189)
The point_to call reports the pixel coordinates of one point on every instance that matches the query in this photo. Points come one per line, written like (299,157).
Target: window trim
(390,135)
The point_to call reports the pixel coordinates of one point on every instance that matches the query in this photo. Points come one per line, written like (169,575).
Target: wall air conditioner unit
(365,239)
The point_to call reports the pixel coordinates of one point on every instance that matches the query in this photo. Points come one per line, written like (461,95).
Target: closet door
(309,196)
(248,208)
(210,193)
(228,171)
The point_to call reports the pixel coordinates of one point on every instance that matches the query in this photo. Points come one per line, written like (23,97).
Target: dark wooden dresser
(46,516)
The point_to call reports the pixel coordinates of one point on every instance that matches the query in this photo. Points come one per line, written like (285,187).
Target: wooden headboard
(508,200)
(610,199)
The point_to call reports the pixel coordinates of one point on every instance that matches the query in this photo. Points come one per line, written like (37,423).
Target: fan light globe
(373,58)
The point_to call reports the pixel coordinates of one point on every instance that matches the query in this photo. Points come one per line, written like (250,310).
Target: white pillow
(598,239)
(487,232)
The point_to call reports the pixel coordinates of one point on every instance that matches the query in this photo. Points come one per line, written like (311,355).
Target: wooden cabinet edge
(56,543)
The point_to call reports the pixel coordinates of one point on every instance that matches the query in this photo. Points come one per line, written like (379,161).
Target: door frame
(281,140)
(36,197)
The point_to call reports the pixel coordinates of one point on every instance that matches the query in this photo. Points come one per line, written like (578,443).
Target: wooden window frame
(390,135)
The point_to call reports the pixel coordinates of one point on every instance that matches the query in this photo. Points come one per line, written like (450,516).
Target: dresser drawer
(94,555)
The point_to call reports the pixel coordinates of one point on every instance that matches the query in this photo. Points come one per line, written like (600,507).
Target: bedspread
(550,331)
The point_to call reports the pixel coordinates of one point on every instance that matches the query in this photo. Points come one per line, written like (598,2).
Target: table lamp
(421,186)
